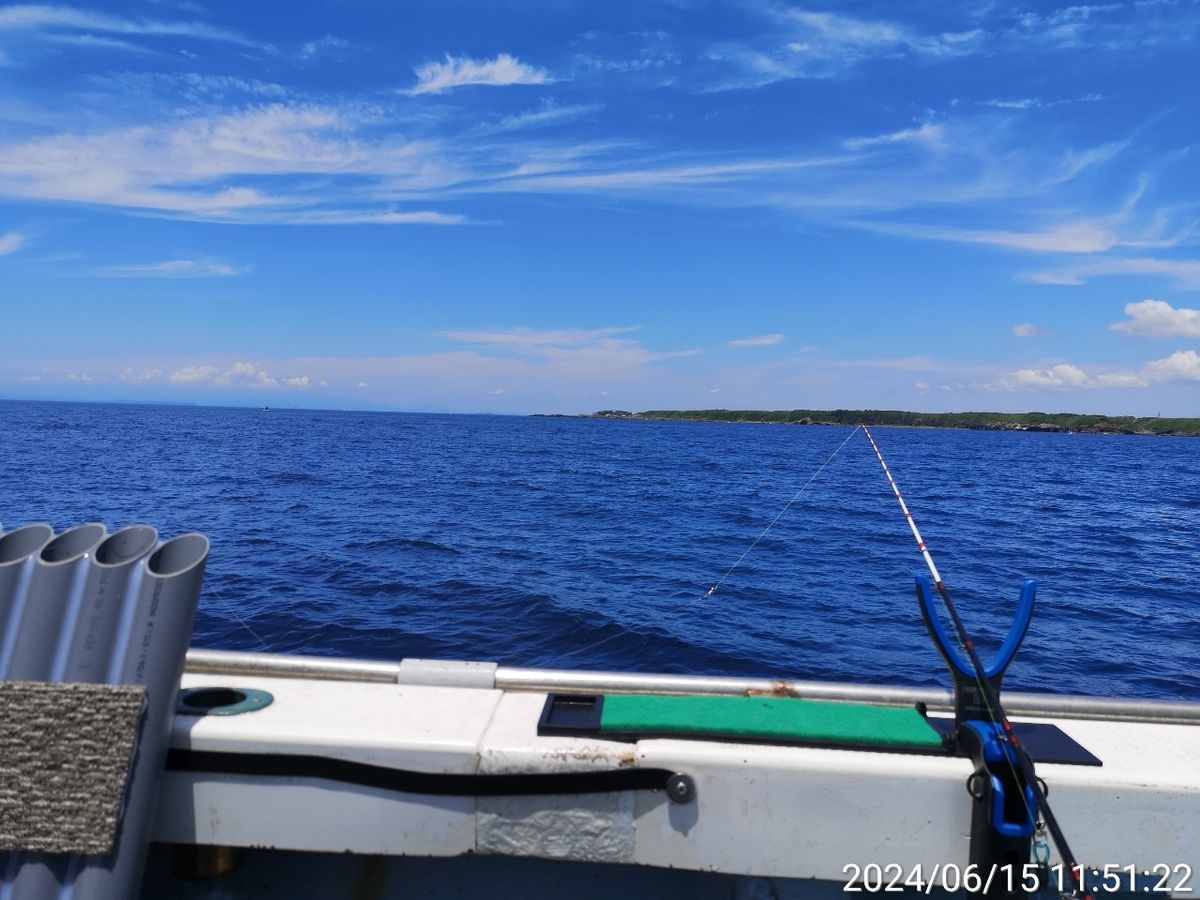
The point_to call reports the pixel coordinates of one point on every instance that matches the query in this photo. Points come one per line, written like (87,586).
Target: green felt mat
(778,718)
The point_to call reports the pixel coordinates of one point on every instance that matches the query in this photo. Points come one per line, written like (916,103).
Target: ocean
(590,543)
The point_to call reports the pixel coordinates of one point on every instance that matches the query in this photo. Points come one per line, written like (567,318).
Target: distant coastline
(986,421)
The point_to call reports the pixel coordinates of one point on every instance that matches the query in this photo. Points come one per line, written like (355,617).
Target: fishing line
(228,607)
(796,496)
(991,701)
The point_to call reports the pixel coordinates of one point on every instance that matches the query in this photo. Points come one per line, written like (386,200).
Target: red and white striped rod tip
(912,523)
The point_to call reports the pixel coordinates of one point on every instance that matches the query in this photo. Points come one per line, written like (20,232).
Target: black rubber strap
(405,781)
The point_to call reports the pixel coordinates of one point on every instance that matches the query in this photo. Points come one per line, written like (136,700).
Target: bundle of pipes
(117,609)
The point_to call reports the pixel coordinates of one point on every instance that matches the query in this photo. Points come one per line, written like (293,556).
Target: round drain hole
(220,701)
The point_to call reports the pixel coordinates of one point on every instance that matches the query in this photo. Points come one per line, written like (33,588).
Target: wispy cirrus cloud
(1184,273)
(1036,102)
(1085,236)
(929,133)
(56,20)
(173,268)
(762,340)
(1157,318)
(457,71)
(192,87)
(805,44)
(327,45)
(537,337)
(184,167)
(596,352)
(808,44)
(249,151)
(548,113)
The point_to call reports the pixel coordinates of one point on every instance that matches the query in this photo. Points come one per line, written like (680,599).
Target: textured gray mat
(65,751)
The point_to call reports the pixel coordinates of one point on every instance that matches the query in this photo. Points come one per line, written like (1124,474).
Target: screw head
(681,788)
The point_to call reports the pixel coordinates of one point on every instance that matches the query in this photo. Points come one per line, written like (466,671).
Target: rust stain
(779,688)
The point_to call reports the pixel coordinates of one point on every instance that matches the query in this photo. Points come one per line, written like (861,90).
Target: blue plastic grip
(1012,641)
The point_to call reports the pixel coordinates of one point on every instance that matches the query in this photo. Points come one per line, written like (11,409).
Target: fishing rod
(990,696)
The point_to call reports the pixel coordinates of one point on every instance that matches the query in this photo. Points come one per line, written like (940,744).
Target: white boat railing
(510,678)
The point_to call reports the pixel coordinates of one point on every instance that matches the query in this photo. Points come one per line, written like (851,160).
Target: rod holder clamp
(1002,803)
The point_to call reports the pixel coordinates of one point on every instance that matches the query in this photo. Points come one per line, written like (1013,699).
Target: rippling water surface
(588,543)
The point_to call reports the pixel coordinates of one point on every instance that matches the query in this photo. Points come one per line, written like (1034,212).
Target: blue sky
(563,207)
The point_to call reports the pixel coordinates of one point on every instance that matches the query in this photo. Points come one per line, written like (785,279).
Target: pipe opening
(126,545)
(72,544)
(23,542)
(178,555)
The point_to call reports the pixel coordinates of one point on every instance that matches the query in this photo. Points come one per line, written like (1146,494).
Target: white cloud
(38,18)
(10,242)
(361,384)
(383,217)
(555,353)
(504,70)
(194,374)
(327,44)
(1182,365)
(532,337)
(1065,375)
(1184,272)
(1083,236)
(714,390)
(144,375)
(95,41)
(928,133)
(762,340)
(1029,330)
(237,375)
(199,166)
(1061,375)
(246,373)
(498,392)
(1014,103)
(193,87)
(549,113)
(1157,318)
(174,268)
(805,44)
(1035,102)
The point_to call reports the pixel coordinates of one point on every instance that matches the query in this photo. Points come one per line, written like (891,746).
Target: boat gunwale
(536,680)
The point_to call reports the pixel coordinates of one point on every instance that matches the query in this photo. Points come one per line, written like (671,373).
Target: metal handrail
(510,678)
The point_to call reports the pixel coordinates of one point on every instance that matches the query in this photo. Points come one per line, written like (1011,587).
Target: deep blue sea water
(588,543)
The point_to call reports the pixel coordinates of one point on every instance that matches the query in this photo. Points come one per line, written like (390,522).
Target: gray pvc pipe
(150,653)
(114,571)
(37,617)
(18,549)
(84,653)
